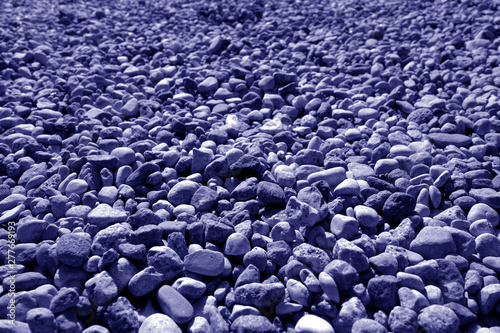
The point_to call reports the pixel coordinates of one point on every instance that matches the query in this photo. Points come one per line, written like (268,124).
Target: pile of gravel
(250,166)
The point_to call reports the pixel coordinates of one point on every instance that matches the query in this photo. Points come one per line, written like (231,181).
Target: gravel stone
(438,318)
(174,305)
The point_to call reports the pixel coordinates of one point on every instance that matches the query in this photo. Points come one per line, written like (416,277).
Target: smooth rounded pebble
(174,304)
(159,323)
(205,262)
(313,324)
(77,186)
(366,216)
(236,245)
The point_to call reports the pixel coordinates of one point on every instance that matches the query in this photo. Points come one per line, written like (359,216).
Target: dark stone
(397,206)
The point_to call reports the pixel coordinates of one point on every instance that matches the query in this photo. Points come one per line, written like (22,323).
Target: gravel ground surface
(249,166)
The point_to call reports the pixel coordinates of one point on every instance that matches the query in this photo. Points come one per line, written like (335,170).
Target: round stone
(78,186)
(159,323)
(438,318)
(73,249)
(366,216)
(125,155)
(482,211)
(313,324)
(236,245)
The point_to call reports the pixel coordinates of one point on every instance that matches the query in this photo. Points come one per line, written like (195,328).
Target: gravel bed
(249,166)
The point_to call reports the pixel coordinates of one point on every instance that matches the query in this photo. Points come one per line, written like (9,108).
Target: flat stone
(333,176)
(65,298)
(205,262)
(104,215)
(441,140)
(270,193)
(204,199)
(329,286)
(260,294)
(486,196)
(433,242)
(190,288)
(252,323)
(210,84)
(347,187)
(103,161)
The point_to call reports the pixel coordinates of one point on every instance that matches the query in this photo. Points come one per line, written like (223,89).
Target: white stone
(313,324)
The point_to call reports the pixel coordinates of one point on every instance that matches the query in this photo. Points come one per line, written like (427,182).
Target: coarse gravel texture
(250,166)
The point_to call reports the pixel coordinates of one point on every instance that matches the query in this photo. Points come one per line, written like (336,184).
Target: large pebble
(488,245)
(166,261)
(301,214)
(403,320)
(433,242)
(284,176)
(40,320)
(77,186)
(441,140)
(398,205)
(205,262)
(236,245)
(438,318)
(104,216)
(73,249)
(260,294)
(347,187)
(486,196)
(351,311)
(159,322)
(333,176)
(190,288)
(317,259)
(252,323)
(383,292)
(313,324)
(344,226)
(101,288)
(352,254)
(482,211)
(182,192)
(270,193)
(174,305)
(366,325)
(125,155)
(366,216)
